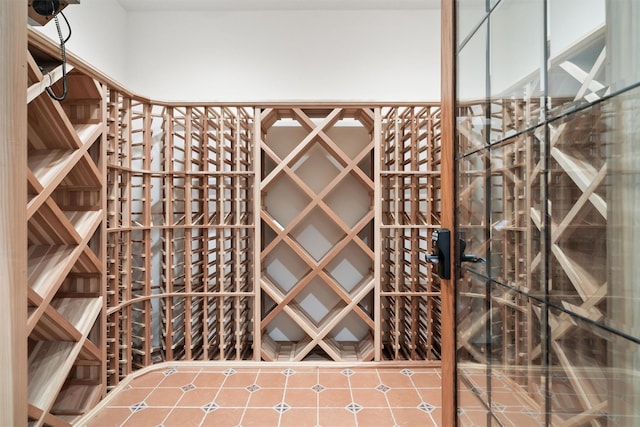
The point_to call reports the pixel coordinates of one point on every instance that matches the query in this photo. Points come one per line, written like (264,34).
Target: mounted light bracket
(43,11)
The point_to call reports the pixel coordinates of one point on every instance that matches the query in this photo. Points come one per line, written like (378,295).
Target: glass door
(548,166)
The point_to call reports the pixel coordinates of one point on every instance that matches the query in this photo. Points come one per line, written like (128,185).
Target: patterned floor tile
(302,397)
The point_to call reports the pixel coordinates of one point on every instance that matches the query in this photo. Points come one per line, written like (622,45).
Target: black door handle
(466,257)
(441,244)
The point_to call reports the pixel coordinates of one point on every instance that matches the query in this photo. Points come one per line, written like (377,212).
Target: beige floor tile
(301,398)
(265,398)
(412,417)
(109,417)
(333,380)
(403,398)
(164,397)
(437,416)
(433,396)
(335,398)
(260,418)
(130,396)
(370,398)
(198,397)
(395,380)
(375,417)
(364,380)
(178,379)
(272,380)
(302,380)
(151,379)
(300,418)
(222,418)
(184,417)
(209,380)
(232,397)
(240,379)
(149,417)
(426,380)
(336,418)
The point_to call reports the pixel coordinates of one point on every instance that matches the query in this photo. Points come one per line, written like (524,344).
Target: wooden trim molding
(13,203)
(448,93)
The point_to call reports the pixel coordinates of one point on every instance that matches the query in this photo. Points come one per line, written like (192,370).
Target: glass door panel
(548,167)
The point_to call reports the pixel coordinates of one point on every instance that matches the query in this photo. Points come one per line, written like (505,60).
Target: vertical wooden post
(103,251)
(257,236)
(448,97)
(377,231)
(13,206)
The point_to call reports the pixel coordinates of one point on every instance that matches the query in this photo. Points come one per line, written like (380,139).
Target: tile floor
(300,396)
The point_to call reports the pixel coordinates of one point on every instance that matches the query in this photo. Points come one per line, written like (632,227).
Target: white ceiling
(151,5)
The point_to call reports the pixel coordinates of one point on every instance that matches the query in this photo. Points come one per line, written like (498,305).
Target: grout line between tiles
(393,416)
(246,405)
(214,397)
(284,393)
(318,398)
(355,414)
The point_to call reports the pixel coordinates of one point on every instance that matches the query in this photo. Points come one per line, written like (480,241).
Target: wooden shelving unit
(66,253)
(180,185)
(316,262)
(222,232)
(410,211)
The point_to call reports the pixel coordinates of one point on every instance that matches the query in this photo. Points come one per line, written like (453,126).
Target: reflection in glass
(578,209)
(516,62)
(470,14)
(511,208)
(471,204)
(472,94)
(548,192)
(590,372)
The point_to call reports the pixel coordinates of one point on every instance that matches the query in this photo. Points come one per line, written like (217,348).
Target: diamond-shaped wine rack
(66,264)
(317,234)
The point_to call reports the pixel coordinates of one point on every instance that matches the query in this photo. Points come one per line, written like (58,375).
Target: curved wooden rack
(156,218)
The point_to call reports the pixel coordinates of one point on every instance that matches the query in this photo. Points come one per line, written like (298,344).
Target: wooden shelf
(284,351)
(49,364)
(76,399)
(315,167)
(353,351)
(51,361)
(409,294)
(66,247)
(48,266)
(48,126)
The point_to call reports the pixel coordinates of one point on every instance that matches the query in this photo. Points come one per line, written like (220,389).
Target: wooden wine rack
(325,178)
(156,229)
(180,233)
(66,247)
(410,210)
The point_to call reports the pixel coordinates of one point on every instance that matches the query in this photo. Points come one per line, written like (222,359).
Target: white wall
(285,55)
(214,55)
(99,35)
(517,40)
(571,20)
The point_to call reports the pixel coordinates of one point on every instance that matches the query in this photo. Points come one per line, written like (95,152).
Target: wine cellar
(230,233)
(467,262)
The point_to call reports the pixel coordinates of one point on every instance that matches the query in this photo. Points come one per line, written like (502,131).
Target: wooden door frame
(448,170)
(13,205)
